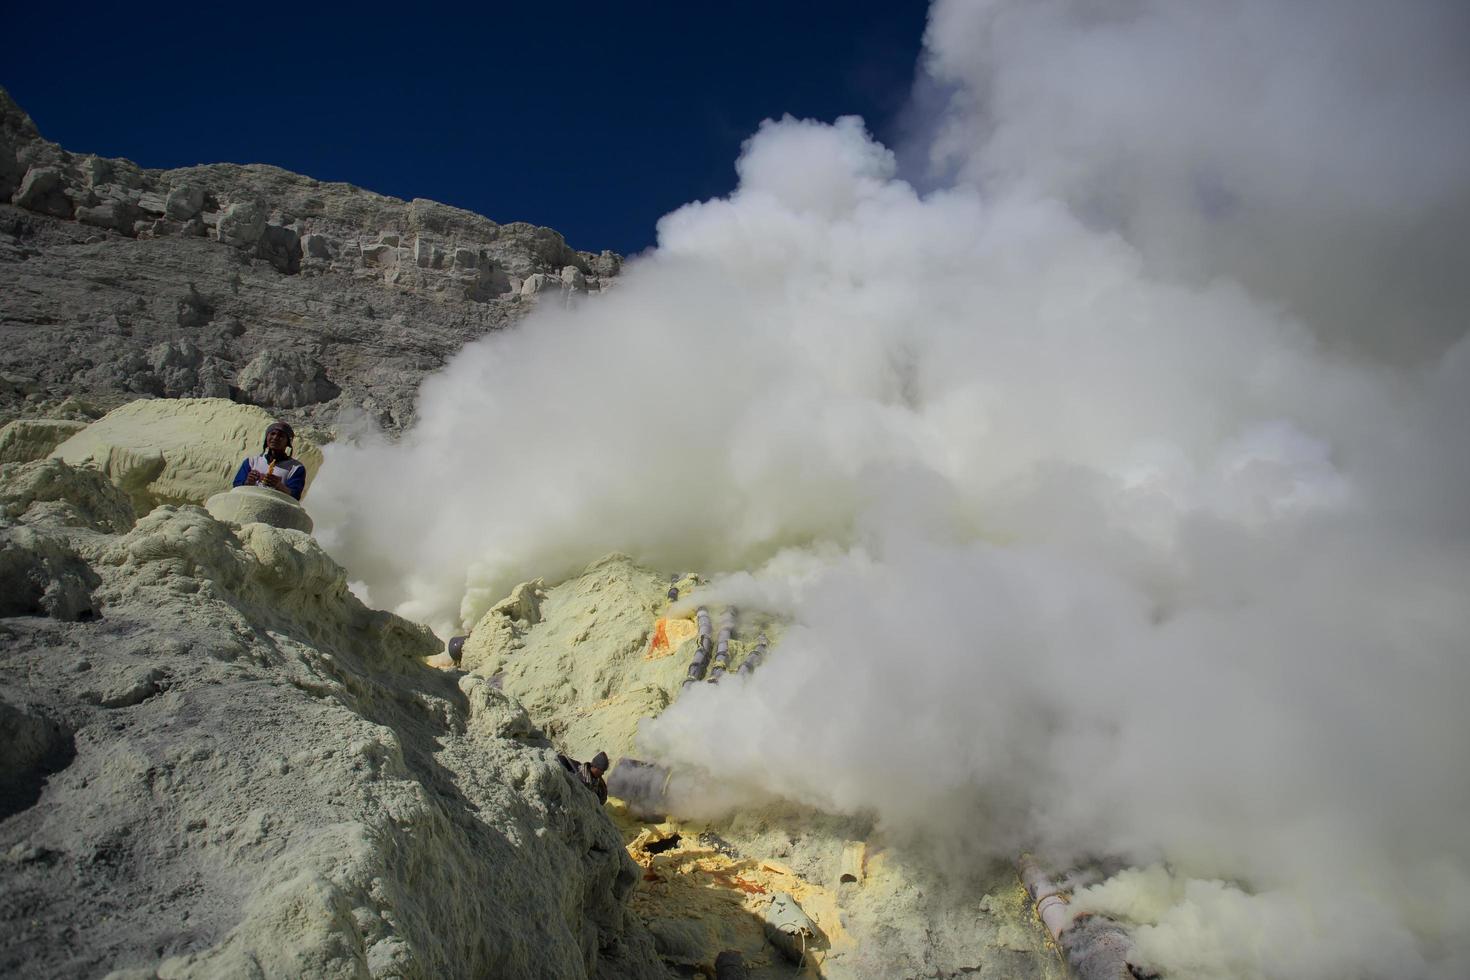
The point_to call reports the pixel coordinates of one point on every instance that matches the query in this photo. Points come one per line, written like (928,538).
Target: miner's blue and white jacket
(288,469)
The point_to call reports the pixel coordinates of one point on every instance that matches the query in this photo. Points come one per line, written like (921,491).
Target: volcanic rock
(26,439)
(234,768)
(242,224)
(43,191)
(119,216)
(582,656)
(379,291)
(285,379)
(183,202)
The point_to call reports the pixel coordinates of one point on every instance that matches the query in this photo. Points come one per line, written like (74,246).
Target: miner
(274,467)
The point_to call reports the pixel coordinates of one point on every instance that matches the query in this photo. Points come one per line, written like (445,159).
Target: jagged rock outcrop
(231,767)
(103,264)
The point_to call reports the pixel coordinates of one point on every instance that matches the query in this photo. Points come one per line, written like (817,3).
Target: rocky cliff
(246,282)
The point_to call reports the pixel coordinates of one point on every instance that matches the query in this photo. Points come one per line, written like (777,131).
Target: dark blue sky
(593,118)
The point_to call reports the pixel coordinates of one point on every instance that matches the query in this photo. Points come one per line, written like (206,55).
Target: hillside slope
(247,282)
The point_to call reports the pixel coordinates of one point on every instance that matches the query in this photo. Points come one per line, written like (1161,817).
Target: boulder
(152,202)
(176,451)
(259,505)
(26,439)
(117,215)
(44,192)
(285,379)
(574,279)
(98,172)
(242,224)
(540,282)
(183,202)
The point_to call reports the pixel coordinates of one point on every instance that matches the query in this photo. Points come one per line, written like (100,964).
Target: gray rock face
(41,576)
(283,379)
(181,369)
(242,224)
(119,216)
(318,247)
(183,202)
(381,291)
(281,247)
(43,191)
(234,768)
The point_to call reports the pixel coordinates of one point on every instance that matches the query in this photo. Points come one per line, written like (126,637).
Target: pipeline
(722,645)
(1093,946)
(753,659)
(701,650)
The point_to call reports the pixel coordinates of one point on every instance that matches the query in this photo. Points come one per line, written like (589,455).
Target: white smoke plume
(1117,487)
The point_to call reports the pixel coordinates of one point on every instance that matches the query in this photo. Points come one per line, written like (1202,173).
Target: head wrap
(282,427)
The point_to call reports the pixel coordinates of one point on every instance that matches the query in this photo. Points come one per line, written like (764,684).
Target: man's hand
(252,478)
(275,482)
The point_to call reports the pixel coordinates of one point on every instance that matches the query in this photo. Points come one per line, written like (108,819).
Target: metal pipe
(722,645)
(753,659)
(701,647)
(1094,946)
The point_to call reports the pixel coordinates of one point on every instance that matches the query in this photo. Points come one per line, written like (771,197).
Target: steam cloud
(1117,486)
